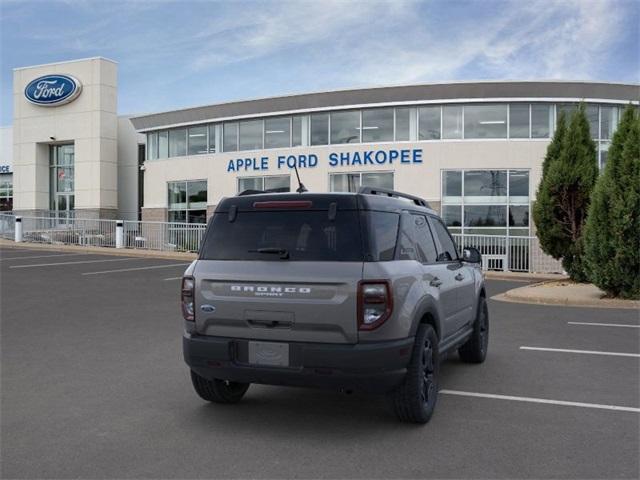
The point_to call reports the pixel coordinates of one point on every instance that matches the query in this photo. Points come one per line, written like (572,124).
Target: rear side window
(383,235)
(304,235)
(449,251)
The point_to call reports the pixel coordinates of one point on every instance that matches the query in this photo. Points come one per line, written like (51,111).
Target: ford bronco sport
(353,291)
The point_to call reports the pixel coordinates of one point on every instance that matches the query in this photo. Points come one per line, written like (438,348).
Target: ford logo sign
(53,90)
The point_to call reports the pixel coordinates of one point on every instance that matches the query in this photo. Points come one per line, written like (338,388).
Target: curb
(125,252)
(513,296)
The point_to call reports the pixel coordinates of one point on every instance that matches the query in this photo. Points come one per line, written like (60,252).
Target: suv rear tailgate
(296,301)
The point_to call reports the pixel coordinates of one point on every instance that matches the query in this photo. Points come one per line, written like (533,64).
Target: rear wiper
(283,252)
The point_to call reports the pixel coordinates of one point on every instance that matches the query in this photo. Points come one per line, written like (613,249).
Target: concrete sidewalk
(565,292)
(128,252)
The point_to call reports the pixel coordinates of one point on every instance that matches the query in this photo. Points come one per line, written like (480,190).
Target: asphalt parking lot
(93,386)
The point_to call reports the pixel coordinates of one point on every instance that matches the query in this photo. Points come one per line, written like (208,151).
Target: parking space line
(152,267)
(622,325)
(172,278)
(41,256)
(588,352)
(75,263)
(541,400)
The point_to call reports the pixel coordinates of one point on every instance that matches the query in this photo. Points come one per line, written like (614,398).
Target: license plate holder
(269,354)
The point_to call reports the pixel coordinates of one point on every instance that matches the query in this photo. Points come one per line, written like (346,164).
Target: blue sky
(176,54)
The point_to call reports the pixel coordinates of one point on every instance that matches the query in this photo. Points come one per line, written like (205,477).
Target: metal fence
(163,236)
(516,254)
(69,231)
(7,226)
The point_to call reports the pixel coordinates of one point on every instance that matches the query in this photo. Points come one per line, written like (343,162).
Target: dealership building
(473,150)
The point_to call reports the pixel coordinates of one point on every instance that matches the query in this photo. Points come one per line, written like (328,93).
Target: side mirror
(471,255)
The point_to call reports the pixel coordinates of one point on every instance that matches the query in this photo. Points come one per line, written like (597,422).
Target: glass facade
(488,202)
(6,192)
(61,179)
(351,182)
(383,124)
(281,183)
(377,125)
(187,201)
(485,121)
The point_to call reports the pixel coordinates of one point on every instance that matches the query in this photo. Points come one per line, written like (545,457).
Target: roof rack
(258,192)
(392,193)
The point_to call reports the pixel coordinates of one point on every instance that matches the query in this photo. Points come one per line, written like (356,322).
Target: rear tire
(475,349)
(415,399)
(218,391)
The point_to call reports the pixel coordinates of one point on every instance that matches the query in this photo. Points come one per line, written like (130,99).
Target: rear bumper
(369,367)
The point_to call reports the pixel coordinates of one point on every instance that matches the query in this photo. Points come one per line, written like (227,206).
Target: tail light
(186,298)
(375,303)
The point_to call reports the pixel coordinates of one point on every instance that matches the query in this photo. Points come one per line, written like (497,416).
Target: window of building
(320,129)
(485,121)
(230,137)
(251,135)
(152,146)
(541,120)
(345,127)
(197,140)
(608,121)
(212,138)
(377,125)
(592,113)
(519,120)
(482,186)
(519,186)
(452,121)
(6,192)
(429,123)
(351,182)
(277,132)
(61,179)
(403,124)
(280,182)
(163,144)
(488,202)
(178,142)
(452,185)
(187,201)
(296,131)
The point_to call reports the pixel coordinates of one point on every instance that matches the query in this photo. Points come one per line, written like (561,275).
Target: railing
(516,254)
(7,226)
(69,231)
(163,236)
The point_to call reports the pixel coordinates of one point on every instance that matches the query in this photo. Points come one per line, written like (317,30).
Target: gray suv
(352,291)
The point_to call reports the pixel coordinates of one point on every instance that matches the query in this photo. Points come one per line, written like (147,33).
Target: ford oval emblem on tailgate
(208,308)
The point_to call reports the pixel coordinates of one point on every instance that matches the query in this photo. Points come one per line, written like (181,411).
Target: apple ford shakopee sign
(53,90)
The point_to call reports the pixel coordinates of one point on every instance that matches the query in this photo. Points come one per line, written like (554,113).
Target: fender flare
(427,306)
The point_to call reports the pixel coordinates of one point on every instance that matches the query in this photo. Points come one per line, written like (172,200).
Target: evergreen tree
(612,242)
(564,194)
(548,231)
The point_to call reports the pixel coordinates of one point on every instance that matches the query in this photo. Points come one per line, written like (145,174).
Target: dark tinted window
(383,235)
(407,240)
(305,235)
(426,247)
(449,251)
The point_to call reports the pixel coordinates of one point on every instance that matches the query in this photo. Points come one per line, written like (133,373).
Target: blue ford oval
(51,90)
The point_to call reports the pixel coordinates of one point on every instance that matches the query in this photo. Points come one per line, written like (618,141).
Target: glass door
(62,177)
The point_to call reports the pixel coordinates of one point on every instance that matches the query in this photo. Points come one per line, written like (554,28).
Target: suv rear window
(306,235)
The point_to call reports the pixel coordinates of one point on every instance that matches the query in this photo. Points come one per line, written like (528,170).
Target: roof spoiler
(392,193)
